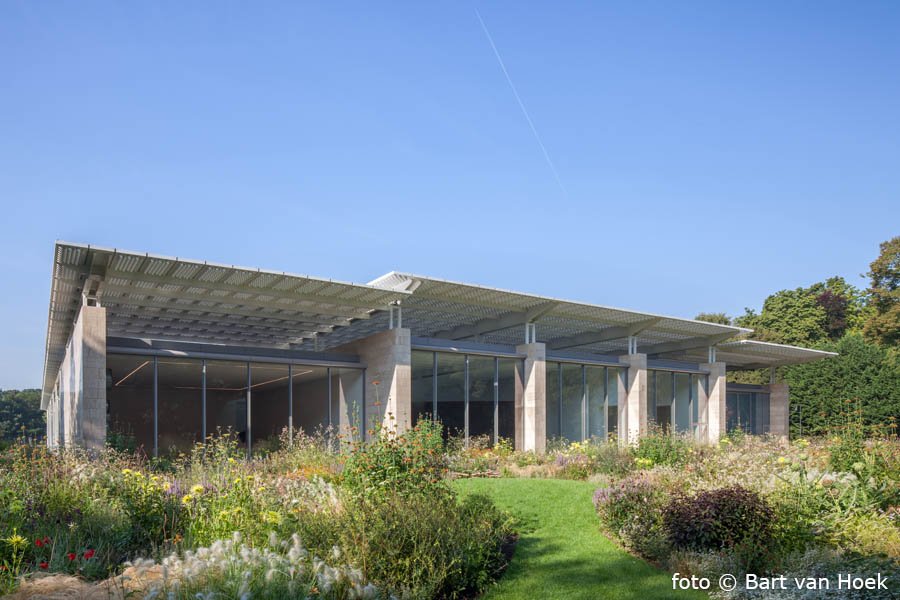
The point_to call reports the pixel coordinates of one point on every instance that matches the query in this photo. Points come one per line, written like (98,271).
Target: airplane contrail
(521,104)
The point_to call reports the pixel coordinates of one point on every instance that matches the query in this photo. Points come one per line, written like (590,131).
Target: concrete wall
(715,403)
(78,410)
(388,358)
(633,404)
(533,408)
(779,409)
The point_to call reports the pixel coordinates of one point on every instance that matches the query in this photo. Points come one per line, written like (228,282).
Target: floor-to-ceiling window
(159,403)
(451,393)
(747,410)
(481,398)
(671,400)
(129,398)
(180,403)
(582,401)
(473,394)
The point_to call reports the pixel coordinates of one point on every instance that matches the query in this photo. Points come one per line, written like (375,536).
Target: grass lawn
(562,553)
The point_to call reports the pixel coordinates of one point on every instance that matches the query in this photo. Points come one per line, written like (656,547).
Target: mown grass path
(561,552)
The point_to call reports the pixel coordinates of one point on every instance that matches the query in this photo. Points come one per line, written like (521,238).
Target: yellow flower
(186,499)
(272,517)
(197,489)
(782,460)
(231,460)
(127,471)
(16,541)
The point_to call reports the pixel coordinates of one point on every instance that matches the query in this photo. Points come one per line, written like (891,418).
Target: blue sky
(711,153)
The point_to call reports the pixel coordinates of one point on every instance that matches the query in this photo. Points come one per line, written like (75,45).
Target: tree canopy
(21,414)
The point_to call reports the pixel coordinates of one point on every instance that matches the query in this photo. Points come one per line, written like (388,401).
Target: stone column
(715,403)
(779,409)
(79,402)
(533,402)
(633,404)
(388,358)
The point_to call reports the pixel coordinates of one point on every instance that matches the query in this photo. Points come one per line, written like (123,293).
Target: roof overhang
(165,298)
(753,354)
(451,310)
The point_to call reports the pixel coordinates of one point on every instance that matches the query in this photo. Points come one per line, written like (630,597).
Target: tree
(863,376)
(720,318)
(21,414)
(883,325)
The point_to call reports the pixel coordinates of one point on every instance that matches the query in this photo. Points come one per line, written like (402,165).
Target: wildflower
(186,499)
(89,554)
(16,541)
(197,489)
(71,556)
(38,542)
(782,460)
(47,540)
(44,565)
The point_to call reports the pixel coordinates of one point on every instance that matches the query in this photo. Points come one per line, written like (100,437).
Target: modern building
(167,351)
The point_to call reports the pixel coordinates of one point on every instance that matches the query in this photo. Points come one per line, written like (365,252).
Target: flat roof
(169,298)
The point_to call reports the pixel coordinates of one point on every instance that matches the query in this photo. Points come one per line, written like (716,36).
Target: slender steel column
(203,398)
(466,402)
(330,415)
(496,400)
(155,406)
(291,405)
(584,410)
(434,377)
(249,412)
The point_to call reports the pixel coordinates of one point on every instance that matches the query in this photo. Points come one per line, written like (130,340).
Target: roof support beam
(604,335)
(485,326)
(327,308)
(118,304)
(688,344)
(221,286)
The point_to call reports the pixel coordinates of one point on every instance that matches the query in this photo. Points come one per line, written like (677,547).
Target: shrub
(411,463)
(632,512)
(727,518)
(661,447)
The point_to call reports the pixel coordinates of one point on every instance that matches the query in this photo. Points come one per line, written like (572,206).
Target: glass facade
(473,396)
(672,400)
(747,410)
(582,401)
(166,404)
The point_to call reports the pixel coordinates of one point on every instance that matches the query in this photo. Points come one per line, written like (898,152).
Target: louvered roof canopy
(753,354)
(158,297)
(162,298)
(458,311)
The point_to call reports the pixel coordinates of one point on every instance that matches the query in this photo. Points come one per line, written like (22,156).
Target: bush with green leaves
(409,463)
(661,447)
(631,511)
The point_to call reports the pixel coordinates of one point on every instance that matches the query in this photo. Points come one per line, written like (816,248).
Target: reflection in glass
(422,374)
(481,397)
(572,396)
(506,409)
(595,382)
(268,403)
(553,429)
(612,390)
(664,392)
(310,399)
(226,398)
(180,399)
(451,393)
(682,402)
(129,397)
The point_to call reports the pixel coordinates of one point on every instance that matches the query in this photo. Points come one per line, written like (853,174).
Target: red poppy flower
(71,555)
(47,541)
(44,565)
(89,554)
(38,543)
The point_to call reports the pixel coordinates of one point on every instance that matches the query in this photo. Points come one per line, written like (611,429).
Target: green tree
(20,413)
(719,317)
(883,325)
(863,376)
